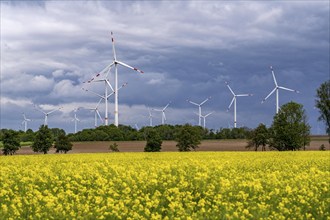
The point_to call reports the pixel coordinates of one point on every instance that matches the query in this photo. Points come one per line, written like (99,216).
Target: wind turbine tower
(163,112)
(25,122)
(234,101)
(199,109)
(277,88)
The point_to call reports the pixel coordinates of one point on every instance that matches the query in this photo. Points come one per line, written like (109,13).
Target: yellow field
(172,185)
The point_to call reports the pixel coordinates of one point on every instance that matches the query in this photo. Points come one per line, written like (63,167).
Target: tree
(154,141)
(290,130)
(56,132)
(114,147)
(188,137)
(323,104)
(27,136)
(43,140)
(167,132)
(259,137)
(62,144)
(11,142)
(223,133)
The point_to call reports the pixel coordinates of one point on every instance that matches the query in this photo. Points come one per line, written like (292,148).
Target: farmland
(138,146)
(168,185)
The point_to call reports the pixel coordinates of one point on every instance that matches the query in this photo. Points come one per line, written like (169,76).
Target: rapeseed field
(195,185)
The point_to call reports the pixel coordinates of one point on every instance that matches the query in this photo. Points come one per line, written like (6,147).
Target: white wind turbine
(199,109)
(75,119)
(46,113)
(116,62)
(277,87)
(106,94)
(204,118)
(234,101)
(96,113)
(163,112)
(150,117)
(25,122)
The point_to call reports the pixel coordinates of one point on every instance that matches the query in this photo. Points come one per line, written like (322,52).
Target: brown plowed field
(138,146)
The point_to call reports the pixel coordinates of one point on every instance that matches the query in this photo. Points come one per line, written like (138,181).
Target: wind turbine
(25,121)
(150,117)
(46,113)
(116,62)
(277,87)
(199,109)
(163,112)
(234,101)
(204,118)
(106,99)
(75,119)
(96,113)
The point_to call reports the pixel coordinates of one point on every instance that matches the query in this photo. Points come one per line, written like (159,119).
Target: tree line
(128,133)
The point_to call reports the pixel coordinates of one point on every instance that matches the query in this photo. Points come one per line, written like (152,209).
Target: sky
(187,50)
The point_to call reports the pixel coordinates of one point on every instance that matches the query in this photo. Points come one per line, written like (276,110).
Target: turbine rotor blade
(243,95)
(205,100)
(194,103)
(113,46)
(125,84)
(166,106)
(53,111)
(109,69)
(208,114)
(94,93)
(269,95)
(107,81)
(273,76)
(291,90)
(101,72)
(232,92)
(98,103)
(98,113)
(117,89)
(232,101)
(128,66)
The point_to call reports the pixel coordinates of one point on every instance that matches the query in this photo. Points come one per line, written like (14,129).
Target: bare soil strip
(138,146)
